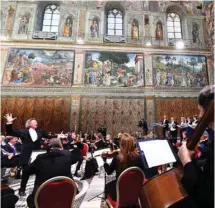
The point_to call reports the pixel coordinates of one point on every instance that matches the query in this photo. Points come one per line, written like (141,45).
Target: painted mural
(113,69)
(38,67)
(179,71)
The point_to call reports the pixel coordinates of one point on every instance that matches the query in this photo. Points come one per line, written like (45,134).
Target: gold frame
(117,185)
(52,180)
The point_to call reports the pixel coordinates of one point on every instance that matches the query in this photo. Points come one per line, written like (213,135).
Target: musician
(31,137)
(103,130)
(198,178)
(189,129)
(165,124)
(143,123)
(78,143)
(55,163)
(99,142)
(126,158)
(182,126)
(173,130)
(117,140)
(195,122)
(111,143)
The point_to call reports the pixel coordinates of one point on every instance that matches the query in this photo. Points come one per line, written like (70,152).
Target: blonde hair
(127,149)
(28,122)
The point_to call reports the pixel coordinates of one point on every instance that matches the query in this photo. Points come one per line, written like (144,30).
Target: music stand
(96,155)
(152,126)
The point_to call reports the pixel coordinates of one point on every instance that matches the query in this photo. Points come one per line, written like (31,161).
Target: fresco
(179,71)
(38,67)
(113,69)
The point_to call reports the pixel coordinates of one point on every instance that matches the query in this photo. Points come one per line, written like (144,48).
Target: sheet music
(157,152)
(34,155)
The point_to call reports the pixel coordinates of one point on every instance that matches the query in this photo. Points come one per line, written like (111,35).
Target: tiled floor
(88,189)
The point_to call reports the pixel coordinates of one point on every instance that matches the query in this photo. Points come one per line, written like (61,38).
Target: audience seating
(128,188)
(56,192)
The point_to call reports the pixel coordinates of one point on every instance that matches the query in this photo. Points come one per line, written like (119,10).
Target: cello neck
(202,125)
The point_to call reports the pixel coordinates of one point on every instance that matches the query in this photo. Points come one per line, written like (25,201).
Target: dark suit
(46,166)
(9,163)
(10,149)
(165,127)
(27,144)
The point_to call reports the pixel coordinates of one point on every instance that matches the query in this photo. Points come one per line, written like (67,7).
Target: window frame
(114,23)
(51,19)
(174,31)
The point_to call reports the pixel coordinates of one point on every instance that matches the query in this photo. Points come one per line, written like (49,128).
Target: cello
(166,190)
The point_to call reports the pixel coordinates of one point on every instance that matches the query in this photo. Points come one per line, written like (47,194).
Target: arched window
(114,22)
(51,18)
(174,26)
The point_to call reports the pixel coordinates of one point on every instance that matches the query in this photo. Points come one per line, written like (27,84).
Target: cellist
(198,178)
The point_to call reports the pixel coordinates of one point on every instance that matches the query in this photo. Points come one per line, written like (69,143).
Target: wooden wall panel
(52,113)
(116,114)
(175,108)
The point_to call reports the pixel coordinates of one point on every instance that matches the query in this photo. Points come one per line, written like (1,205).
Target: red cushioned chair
(84,150)
(128,188)
(56,192)
(84,153)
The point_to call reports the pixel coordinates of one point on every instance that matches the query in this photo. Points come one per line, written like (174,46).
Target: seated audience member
(126,158)
(12,146)
(57,162)
(8,160)
(198,178)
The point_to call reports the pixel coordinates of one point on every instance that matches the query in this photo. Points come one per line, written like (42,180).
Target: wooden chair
(55,193)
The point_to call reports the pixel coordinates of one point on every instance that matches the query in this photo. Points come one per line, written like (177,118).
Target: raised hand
(9,118)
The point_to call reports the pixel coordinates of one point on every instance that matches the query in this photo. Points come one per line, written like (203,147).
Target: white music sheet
(34,155)
(157,152)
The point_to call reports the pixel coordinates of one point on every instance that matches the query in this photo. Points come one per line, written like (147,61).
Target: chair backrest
(56,192)
(128,186)
(85,149)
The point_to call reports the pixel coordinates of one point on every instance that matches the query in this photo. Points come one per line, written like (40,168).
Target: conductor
(31,137)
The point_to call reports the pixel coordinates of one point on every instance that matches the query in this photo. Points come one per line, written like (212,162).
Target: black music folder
(156,152)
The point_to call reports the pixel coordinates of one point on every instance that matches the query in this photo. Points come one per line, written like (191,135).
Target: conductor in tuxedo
(165,124)
(56,162)
(31,137)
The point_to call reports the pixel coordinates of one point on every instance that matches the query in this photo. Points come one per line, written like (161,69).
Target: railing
(145,41)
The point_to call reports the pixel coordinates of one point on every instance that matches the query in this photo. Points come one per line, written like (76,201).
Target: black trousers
(10,163)
(30,201)
(110,188)
(79,165)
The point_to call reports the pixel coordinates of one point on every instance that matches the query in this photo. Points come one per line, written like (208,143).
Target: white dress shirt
(33,134)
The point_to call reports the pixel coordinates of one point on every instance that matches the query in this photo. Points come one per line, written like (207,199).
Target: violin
(112,154)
